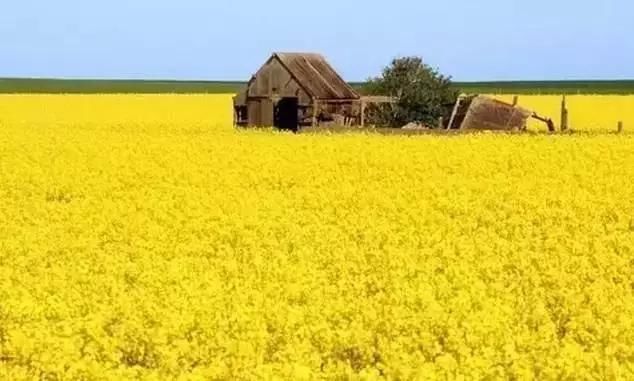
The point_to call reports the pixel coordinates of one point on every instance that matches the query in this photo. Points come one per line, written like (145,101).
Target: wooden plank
(315,106)
(266,113)
(336,101)
(362,112)
(253,111)
(379,99)
(270,81)
(454,113)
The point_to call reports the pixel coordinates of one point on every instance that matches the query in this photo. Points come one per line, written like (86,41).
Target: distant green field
(549,87)
(97,86)
(74,86)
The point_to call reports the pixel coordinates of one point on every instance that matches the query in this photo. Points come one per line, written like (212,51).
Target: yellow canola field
(118,112)
(142,238)
(586,112)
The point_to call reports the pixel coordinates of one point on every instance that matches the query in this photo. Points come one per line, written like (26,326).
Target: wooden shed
(292,90)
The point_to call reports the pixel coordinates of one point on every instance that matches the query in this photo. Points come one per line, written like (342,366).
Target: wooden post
(564,114)
(362,113)
(454,112)
(619,127)
(315,106)
(515,100)
(441,123)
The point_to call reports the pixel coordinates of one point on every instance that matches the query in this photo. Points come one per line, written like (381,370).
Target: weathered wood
(378,99)
(564,114)
(549,122)
(270,84)
(338,101)
(484,113)
(273,79)
(362,113)
(253,112)
(440,122)
(315,111)
(266,113)
(454,112)
(307,77)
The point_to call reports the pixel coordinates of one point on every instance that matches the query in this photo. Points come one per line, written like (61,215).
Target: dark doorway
(286,114)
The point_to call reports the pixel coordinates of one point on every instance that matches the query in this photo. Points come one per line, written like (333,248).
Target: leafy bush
(423,94)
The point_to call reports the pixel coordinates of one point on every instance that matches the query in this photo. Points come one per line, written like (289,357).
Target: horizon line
(234,81)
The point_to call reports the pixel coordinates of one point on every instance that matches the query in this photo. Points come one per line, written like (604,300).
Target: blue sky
(229,39)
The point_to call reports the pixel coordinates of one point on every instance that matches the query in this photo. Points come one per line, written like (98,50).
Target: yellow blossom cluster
(141,237)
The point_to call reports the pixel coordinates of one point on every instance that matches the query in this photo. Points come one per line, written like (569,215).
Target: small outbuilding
(294,90)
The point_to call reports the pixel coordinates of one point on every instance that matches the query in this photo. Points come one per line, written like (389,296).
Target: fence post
(619,127)
(441,123)
(564,114)
(515,100)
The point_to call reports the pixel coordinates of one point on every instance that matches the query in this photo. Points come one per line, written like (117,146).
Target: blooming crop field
(587,112)
(141,237)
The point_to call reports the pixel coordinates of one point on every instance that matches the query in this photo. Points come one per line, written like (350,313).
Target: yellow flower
(142,237)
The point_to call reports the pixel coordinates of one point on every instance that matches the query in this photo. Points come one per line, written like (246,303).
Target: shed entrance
(286,114)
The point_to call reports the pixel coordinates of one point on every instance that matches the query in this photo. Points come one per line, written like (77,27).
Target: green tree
(422,94)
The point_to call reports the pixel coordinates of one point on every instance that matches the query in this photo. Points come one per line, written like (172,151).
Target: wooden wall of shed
(349,108)
(253,111)
(274,78)
(260,112)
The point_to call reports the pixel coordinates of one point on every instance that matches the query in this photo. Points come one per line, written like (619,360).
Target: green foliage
(422,93)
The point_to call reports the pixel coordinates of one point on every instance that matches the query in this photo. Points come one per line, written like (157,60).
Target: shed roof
(316,76)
